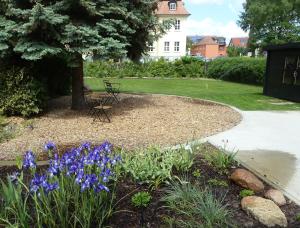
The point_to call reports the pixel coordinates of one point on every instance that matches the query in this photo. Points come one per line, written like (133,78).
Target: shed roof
(295,45)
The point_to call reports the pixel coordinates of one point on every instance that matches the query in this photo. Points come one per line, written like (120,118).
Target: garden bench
(113,89)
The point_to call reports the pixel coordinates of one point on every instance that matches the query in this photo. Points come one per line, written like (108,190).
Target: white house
(173,44)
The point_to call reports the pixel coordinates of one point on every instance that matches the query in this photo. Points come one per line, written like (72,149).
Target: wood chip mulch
(138,121)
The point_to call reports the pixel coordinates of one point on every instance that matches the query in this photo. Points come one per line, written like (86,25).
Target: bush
(239,69)
(141,199)
(154,166)
(76,190)
(20,93)
(194,207)
(220,160)
(246,192)
(184,67)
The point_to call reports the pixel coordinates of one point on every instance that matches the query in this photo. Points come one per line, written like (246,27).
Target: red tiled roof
(239,41)
(163,9)
(207,40)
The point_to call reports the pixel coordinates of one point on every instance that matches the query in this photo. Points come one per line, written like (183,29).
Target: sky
(214,17)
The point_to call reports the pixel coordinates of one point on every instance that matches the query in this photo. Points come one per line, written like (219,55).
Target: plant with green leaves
(154,165)
(194,207)
(218,183)
(271,22)
(75,190)
(246,192)
(221,160)
(111,29)
(197,173)
(141,199)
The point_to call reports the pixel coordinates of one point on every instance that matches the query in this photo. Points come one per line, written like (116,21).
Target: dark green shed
(283,72)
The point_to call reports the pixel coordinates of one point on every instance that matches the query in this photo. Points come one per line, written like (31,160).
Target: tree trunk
(77,86)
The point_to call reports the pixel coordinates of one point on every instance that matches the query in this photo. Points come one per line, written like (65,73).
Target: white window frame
(177,25)
(172,6)
(167,46)
(176,46)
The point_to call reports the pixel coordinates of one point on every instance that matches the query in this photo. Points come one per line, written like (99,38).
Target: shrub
(20,93)
(7,131)
(246,192)
(220,160)
(184,67)
(239,69)
(218,183)
(194,207)
(154,166)
(76,190)
(141,199)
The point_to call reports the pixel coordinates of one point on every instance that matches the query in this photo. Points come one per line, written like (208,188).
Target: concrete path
(268,143)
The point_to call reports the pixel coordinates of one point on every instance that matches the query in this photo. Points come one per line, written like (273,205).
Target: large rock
(276,196)
(264,210)
(247,180)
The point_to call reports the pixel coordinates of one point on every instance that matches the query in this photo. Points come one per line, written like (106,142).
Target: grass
(194,207)
(244,97)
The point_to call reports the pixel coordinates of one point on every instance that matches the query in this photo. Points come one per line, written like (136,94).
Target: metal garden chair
(113,89)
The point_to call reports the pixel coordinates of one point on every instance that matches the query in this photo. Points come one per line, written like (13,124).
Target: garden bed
(204,174)
(138,121)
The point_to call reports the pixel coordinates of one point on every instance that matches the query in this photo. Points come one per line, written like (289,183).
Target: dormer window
(172,6)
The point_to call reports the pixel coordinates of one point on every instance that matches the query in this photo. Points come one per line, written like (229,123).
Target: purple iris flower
(100,187)
(14,177)
(41,182)
(50,146)
(29,160)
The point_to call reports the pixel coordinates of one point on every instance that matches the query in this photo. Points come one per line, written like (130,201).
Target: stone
(247,180)
(276,196)
(264,210)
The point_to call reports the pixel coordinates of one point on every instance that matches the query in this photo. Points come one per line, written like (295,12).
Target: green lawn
(245,97)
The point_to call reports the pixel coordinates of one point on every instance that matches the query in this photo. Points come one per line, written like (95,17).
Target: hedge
(239,69)
(186,67)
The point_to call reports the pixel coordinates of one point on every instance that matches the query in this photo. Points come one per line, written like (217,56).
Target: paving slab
(268,143)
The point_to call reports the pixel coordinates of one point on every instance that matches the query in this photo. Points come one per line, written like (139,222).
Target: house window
(172,6)
(176,46)
(167,46)
(177,25)
(150,47)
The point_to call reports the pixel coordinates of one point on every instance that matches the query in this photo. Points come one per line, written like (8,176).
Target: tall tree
(271,22)
(36,29)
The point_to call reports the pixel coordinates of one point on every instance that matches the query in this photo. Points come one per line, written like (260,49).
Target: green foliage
(239,69)
(185,67)
(237,51)
(141,199)
(218,183)
(246,192)
(7,131)
(271,22)
(220,160)
(298,217)
(194,207)
(108,28)
(197,173)
(154,166)
(15,206)
(20,93)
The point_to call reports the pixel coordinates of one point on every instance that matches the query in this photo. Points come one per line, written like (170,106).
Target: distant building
(173,44)
(239,42)
(208,47)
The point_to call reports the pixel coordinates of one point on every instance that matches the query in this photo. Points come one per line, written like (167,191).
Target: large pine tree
(35,29)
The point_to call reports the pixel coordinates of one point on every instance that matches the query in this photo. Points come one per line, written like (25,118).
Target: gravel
(138,121)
